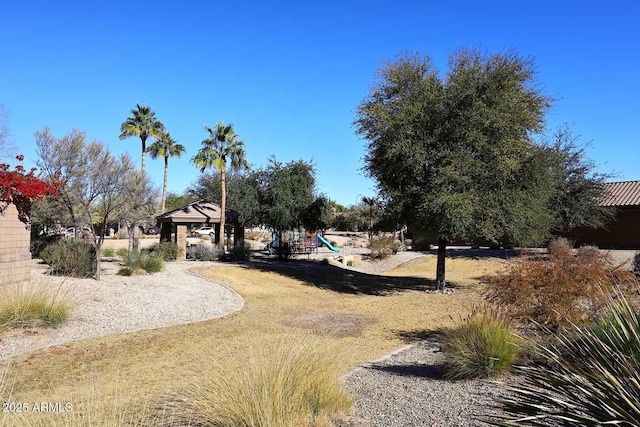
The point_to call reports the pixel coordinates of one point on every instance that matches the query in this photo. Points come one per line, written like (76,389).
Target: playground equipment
(298,242)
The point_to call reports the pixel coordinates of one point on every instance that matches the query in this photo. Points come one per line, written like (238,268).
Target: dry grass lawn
(362,315)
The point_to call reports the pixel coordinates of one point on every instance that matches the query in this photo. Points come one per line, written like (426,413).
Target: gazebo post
(181,240)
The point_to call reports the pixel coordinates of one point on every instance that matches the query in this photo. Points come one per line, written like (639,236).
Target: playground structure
(299,241)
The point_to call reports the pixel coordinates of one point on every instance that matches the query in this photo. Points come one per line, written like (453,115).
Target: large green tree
(455,153)
(165,147)
(241,189)
(578,186)
(222,149)
(144,124)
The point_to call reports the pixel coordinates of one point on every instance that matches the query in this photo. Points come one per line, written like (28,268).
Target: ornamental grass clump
(589,376)
(483,346)
(292,382)
(556,291)
(33,304)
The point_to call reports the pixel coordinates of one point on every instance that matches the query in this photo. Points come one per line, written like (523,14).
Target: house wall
(15,257)
(622,232)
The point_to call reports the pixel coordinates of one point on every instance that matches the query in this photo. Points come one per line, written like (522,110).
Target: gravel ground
(119,304)
(404,388)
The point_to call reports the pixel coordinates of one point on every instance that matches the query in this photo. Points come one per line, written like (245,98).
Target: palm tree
(165,147)
(142,123)
(220,150)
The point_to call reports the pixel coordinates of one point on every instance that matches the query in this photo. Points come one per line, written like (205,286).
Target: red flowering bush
(19,187)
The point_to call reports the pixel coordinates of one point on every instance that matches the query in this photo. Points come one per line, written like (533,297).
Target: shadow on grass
(419,335)
(342,280)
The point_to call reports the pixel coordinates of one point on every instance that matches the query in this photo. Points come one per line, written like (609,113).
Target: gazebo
(200,212)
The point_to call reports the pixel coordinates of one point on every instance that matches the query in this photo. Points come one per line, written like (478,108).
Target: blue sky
(290,74)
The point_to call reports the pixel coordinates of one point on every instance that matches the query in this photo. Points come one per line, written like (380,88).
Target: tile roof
(625,193)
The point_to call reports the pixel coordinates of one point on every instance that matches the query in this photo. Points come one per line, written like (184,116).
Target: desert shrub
(167,251)
(241,252)
(136,260)
(293,382)
(483,346)
(151,263)
(408,242)
(556,291)
(203,252)
(591,254)
(122,252)
(125,271)
(635,265)
(70,257)
(33,304)
(559,246)
(398,246)
(122,234)
(39,243)
(108,252)
(381,247)
(590,376)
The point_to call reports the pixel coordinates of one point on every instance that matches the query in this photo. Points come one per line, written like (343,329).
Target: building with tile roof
(623,230)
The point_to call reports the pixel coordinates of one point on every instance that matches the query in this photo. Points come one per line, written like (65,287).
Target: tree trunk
(223,207)
(164,184)
(98,247)
(442,250)
(144,153)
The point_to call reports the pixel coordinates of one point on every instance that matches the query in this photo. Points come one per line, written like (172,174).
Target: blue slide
(327,244)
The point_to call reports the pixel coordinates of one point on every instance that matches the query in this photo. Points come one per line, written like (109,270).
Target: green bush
(122,253)
(108,252)
(136,260)
(589,376)
(398,246)
(202,252)
(167,251)
(241,252)
(151,263)
(381,247)
(484,346)
(125,271)
(70,257)
(26,305)
(39,243)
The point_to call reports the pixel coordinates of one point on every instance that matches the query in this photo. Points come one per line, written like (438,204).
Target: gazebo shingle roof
(199,211)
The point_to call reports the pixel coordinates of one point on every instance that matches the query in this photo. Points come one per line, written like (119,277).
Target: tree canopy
(221,150)
(456,154)
(144,124)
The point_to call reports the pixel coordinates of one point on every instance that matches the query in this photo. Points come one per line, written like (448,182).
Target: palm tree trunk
(144,153)
(223,206)
(164,184)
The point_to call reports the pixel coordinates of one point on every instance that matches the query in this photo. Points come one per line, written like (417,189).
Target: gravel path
(119,304)
(404,388)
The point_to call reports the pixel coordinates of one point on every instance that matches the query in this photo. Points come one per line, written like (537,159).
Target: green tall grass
(290,383)
(484,346)
(31,304)
(589,376)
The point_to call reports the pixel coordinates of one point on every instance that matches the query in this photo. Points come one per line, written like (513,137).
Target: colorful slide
(327,244)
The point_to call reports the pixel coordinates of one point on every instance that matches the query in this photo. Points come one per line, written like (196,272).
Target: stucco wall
(15,257)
